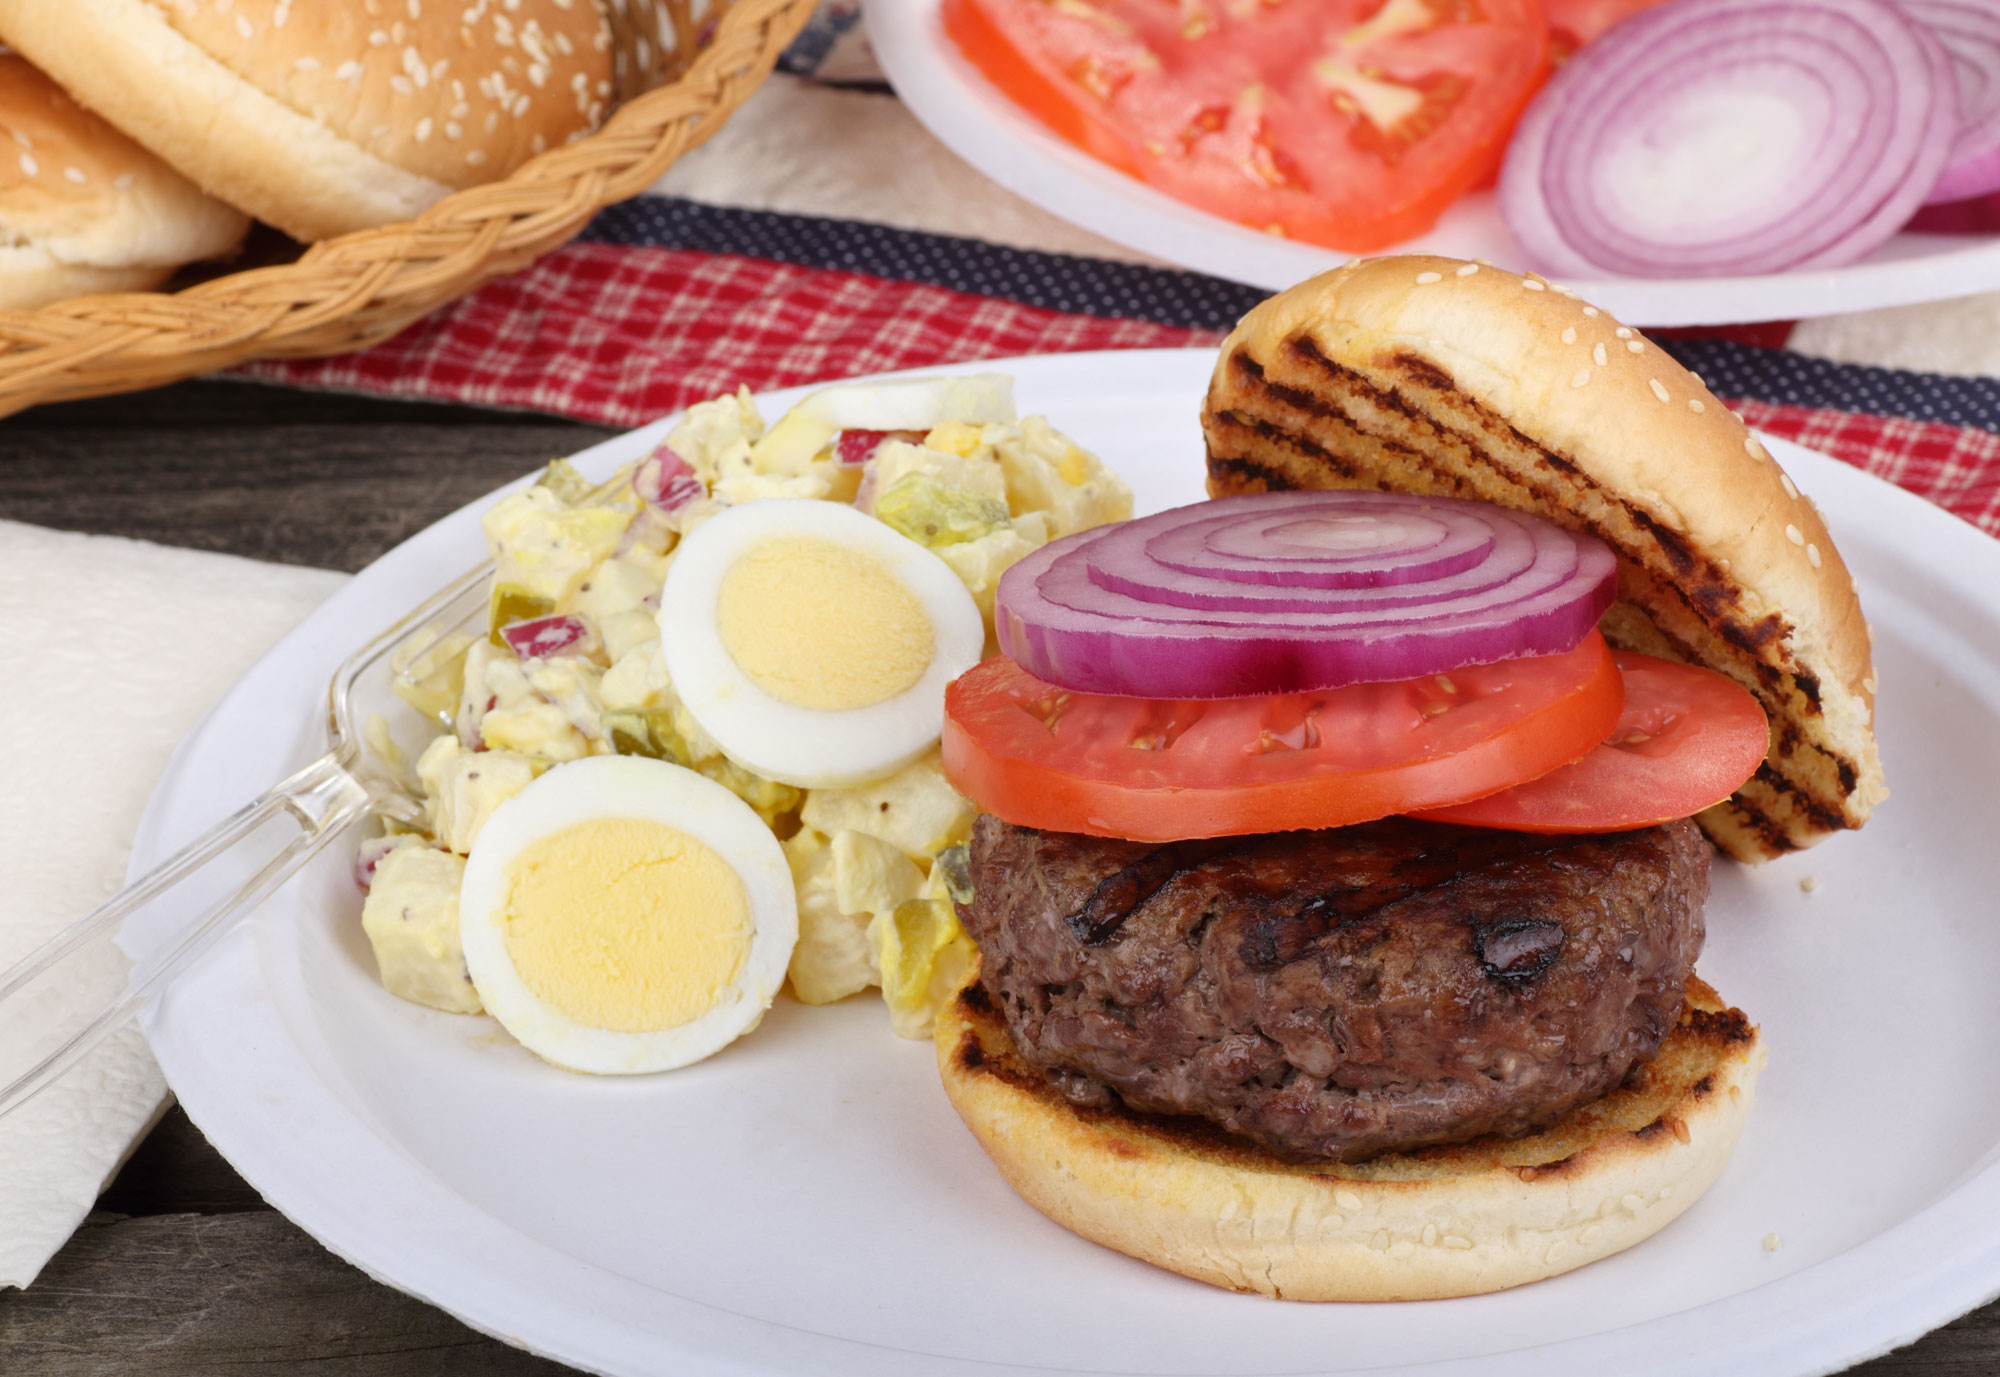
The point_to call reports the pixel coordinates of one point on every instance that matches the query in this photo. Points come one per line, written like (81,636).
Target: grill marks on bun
(326,116)
(1418,375)
(84,209)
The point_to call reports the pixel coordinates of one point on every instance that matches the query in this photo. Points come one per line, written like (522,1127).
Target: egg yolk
(822,626)
(626,924)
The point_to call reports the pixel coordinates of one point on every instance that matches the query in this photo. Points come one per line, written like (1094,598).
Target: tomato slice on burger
(1164,770)
(1352,123)
(1688,738)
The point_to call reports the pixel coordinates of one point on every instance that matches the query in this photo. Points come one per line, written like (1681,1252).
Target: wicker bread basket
(359,289)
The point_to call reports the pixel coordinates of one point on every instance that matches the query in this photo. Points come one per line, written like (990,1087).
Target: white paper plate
(807,1201)
(983,127)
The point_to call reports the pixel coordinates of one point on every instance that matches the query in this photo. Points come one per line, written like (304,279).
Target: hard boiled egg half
(622,915)
(813,642)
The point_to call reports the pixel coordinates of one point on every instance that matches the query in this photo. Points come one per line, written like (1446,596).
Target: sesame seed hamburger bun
(1421,1225)
(84,209)
(1430,375)
(327,116)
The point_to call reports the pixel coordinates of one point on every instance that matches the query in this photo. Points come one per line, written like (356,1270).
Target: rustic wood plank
(295,478)
(176,1171)
(242,1293)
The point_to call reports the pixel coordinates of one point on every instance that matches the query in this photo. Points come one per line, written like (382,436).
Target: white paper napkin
(116,648)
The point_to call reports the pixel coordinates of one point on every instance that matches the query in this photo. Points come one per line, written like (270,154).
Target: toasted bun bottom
(1440,1222)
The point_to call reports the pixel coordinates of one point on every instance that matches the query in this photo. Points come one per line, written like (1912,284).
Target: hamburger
(1349,1056)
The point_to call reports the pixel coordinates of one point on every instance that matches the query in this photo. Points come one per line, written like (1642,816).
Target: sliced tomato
(1351,123)
(1158,770)
(1573,23)
(1688,738)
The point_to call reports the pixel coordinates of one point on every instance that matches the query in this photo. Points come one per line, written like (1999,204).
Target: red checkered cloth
(621,335)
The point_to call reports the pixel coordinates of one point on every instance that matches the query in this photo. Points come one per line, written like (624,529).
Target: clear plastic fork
(44,1030)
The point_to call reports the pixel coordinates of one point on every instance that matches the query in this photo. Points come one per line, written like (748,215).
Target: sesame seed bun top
(83,208)
(1431,374)
(324,116)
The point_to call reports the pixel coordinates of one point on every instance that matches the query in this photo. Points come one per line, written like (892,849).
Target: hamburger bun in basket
(1430,375)
(326,116)
(84,209)
(1423,1225)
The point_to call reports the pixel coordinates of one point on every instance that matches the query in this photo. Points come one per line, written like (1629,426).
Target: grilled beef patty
(1340,993)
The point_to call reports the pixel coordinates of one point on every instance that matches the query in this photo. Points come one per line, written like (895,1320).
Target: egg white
(655,791)
(807,747)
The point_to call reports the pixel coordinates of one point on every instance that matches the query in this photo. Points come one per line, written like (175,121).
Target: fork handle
(36,1046)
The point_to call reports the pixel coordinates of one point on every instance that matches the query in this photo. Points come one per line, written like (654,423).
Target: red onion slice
(1732,137)
(1222,599)
(1970,33)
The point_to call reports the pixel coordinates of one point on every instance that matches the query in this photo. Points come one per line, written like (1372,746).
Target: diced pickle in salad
(571,666)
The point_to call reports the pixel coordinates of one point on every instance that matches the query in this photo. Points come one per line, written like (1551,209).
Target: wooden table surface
(183,1269)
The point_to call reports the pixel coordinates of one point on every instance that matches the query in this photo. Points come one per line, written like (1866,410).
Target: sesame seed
(22,139)
(453,129)
(1795,535)
(1632,1201)
(401,85)
(1751,445)
(1772,1243)
(1680,1128)
(540,144)
(1347,1200)
(1623,332)
(1694,405)
(281,14)
(1586,1234)
(1380,1242)
(1598,354)
(1465,271)
(1429,1236)
(1736,1094)
(1569,335)
(424,129)
(474,158)
(1791,488)
(1812,555)
(243,25)
(30,166)
(378,39)
(349,71)
(1582,377)
(1635,346)
(306,64)
(1556,1251)
(1659,388)
(1529,284)
(1869,684)
(1590,310)
(75,174)
(1562,291)
(1425,279)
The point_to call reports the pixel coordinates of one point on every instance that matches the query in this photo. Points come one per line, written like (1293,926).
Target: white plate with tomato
(1428,189)
(807,1201)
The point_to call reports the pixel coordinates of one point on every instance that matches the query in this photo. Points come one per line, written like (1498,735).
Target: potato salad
(701,609)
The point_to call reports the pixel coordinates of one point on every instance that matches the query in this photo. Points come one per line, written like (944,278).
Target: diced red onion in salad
(1970,33)
(369,855)
(1294,591)
(1711,138)
(665,481)
(854,447)
(544,636)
